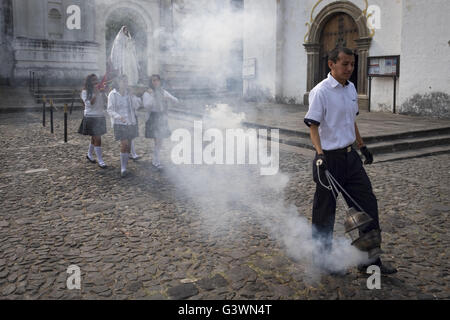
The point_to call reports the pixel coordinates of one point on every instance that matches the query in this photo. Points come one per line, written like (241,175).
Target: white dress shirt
(123,107)
(333,107)
(96,109)
(150,104)
(149,101)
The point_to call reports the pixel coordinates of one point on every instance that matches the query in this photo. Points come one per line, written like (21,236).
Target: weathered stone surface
(182,291)
(135,238)
(216,281)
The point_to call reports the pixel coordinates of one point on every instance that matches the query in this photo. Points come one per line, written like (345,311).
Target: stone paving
(150,237)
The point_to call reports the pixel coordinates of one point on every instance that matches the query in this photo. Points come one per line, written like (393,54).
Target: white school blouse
(96,109)
(149,101)
(333,107)
(123,106)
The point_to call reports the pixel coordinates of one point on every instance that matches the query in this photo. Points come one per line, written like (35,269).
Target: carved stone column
(363,45)
(312,51)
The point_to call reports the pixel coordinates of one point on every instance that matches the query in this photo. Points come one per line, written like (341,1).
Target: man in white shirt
(333,107)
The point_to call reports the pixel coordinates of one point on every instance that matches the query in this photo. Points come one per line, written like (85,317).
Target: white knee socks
(133,150)
(156,160)
(124,161)
(98,152)
(90,151)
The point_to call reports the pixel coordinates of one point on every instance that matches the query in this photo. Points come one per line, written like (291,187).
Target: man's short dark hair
(334,54)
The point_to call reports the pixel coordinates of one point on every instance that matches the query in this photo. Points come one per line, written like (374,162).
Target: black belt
(342,150)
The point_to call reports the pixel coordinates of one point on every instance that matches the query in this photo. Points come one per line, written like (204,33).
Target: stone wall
(55,63)
(260,43)
(44,43)
(425,54)
(6,35)
(434,104)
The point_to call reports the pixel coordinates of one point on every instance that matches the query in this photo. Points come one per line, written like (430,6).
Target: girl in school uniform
(94,123)
(155,101)
(122,106)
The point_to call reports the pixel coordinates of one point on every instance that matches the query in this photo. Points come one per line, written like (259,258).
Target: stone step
(56,91)
(408,134)
(180,68)
(424,144)
(408,154)
(60,100)
(202,95)
(381,148)
(56,95)
(391,155)
(409,144)
(174,74)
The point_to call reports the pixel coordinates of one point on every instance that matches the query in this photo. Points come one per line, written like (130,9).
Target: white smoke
(207,35)
(227,196)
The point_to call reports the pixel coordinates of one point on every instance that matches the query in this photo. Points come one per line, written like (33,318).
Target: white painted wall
(386,42)
(296,14)
(260,42)
(425,49)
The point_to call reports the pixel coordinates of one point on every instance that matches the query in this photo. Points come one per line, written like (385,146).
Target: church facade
(62,41)
(278,47)
(286,43)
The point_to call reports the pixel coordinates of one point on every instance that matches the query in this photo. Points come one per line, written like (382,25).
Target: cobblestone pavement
(144,238)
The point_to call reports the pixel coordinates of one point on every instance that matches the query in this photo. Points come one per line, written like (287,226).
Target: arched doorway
(338,23)
(138,29)
(340,30)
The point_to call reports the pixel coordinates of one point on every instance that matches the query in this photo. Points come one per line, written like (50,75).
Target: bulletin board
(383,66)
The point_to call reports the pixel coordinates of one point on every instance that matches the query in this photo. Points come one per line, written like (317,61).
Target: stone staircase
(60,96)
(387,147)
(391,147)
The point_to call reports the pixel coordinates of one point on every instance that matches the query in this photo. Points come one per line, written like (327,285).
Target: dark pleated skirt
(124,132)
(93,126)
(157,126)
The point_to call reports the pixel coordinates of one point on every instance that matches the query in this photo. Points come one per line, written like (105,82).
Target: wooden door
(340,30)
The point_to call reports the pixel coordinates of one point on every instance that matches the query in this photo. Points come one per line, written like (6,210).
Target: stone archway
(313,46)
(138,29)
(139,19)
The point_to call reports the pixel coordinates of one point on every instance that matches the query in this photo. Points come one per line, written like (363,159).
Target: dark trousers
(347,169)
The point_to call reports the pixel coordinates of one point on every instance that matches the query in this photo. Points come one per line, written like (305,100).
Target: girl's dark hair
(157,76)
(89,86)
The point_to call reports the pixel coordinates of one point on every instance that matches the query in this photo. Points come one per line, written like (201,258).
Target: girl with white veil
(124,60)
(123,56)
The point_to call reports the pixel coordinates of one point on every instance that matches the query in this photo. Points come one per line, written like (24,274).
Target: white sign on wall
(249,68)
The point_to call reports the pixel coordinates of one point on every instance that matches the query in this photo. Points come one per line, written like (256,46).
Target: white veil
(123,57)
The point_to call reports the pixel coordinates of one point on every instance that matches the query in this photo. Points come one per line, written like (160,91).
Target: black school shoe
(91,160)
(134,158)
(102,165)
(384,268)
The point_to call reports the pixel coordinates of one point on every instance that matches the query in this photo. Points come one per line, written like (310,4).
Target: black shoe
(124,174)
(102,165)
(387,269)
(90,160)
(135,158)
(158,166)
(384,268)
